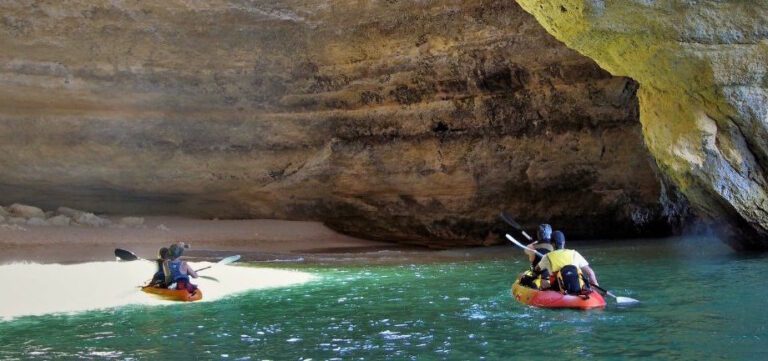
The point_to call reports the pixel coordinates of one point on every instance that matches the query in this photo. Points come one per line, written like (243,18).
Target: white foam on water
(37,289)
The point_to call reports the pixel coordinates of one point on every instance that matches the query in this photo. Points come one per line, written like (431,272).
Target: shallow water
(699,301)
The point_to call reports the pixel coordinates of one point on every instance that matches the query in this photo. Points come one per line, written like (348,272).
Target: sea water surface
(699,301)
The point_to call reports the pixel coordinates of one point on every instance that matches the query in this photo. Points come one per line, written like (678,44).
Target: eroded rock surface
(703,93)
(404,121)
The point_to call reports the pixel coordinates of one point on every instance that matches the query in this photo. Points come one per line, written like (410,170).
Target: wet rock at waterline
(703,96)
(402,121)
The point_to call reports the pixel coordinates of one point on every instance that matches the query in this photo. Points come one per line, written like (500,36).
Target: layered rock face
(403,121)
(703,93)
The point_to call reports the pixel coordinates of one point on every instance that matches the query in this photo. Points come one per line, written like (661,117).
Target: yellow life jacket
(560,258)
(536,278)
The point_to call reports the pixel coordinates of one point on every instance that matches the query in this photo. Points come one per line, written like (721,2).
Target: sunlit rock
(69,212)
(60,220)
(701,66)
(90,219)
(25,211)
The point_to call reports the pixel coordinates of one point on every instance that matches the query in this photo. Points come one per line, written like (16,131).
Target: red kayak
(554,299)
(174,295)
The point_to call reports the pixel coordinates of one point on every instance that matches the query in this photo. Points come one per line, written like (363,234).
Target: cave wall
(703,94)
(404,121)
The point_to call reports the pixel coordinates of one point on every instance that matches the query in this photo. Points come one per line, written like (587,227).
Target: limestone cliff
(403,121)
(703,93)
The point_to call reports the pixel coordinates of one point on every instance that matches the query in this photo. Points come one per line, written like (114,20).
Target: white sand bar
(37,289)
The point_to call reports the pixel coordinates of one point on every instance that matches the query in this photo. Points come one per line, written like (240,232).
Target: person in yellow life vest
(542,245)
(564,269)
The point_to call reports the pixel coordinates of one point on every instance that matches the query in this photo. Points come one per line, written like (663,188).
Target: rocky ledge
(402,121)
(17,216)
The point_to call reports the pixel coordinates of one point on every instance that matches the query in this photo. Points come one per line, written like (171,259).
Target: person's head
(163,253)
(544,232)
(559,239)
(177,249)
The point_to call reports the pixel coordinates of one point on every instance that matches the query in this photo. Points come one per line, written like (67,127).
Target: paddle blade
(228,260)
(506,217)
(626,301)
(125,255)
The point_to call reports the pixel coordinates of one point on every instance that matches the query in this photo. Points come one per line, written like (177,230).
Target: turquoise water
(699,301)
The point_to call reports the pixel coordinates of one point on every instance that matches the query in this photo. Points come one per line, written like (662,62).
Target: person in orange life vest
(553,262)
(178,271)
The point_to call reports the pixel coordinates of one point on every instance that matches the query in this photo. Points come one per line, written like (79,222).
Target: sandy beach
(257,240)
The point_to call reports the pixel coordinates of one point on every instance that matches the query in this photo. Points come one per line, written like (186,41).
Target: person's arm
(590,274)
(581,262)
(542,269)
(190,271)
(530,251)
(166,274)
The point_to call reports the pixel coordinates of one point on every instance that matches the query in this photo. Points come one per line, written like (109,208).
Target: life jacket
(559,259)
(173,271)
(571,281)
(565,275)
(531,280)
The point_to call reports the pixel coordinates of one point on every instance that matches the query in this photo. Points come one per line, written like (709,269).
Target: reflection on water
(695,305)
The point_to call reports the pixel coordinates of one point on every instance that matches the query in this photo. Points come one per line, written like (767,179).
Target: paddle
(126,255)
(506,217)
(513,240)
(619,299)
(224,261)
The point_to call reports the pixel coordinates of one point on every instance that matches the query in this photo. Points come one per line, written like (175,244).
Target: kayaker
(542,245)
(566,268)
(178,270)
(159,279)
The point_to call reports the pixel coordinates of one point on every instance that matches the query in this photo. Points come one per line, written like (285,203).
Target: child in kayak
(178,270)
(159,279)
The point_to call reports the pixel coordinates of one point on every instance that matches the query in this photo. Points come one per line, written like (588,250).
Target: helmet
(559,239)
(545,232)
(163,253)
